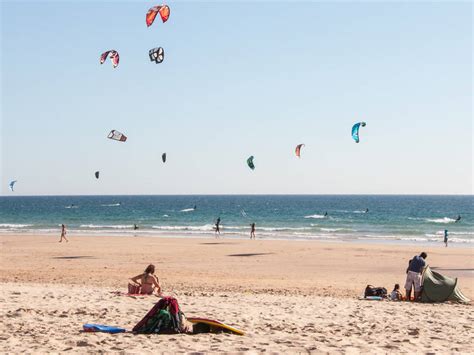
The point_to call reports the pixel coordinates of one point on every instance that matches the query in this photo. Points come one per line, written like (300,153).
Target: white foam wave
(165,215)
(337,229)
(204,228)
(111,205)
(112,226)
(71,207)
(315,216)
(14,225)
(187,210)
(440,220)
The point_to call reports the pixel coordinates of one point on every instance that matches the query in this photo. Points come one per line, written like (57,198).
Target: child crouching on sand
(396,295)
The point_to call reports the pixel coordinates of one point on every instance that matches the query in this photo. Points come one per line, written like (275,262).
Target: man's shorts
(413,278)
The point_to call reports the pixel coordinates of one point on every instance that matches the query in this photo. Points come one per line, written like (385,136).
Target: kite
(298,150)
(250,162)
(96,174)
(163,10)
(157,55)
(117,136)
(355,130)
(12,183)
(114,57)
(163,157)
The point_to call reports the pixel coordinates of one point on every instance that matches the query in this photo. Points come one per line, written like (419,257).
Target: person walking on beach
(446,237)
(252,230)
(63,233)
(414,271)
(217,227)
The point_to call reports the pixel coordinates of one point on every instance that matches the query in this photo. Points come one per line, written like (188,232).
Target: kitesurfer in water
(217,227)
(326,214)
(135,227)
(194,208)
(63,234)
(458,219)
(252,231)
(366,210)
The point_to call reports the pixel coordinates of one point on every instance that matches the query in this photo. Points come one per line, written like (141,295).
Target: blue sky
(239,79)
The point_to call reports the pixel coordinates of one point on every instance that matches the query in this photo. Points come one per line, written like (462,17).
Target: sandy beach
(287,296)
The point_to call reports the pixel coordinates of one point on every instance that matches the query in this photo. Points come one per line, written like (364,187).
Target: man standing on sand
(252,231)
(414,271)
(63,233)
(446,237)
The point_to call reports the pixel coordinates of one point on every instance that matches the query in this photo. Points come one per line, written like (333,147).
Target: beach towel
(102,328)
(133,289)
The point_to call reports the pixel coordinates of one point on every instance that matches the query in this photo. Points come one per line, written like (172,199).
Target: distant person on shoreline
(63,234)
(414,271)
(147,281)
(446,237)
(252,231)
(458,219)
(217,228)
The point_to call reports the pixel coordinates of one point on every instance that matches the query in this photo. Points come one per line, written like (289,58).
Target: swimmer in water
(366,210)
(326,214)
(458,219)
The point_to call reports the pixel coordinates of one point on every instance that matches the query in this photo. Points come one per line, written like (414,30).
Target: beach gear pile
(371,291)
(165,317)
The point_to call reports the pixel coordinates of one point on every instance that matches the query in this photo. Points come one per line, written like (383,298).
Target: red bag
(133,289)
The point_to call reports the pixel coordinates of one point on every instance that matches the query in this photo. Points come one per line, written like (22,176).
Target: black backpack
(375,291)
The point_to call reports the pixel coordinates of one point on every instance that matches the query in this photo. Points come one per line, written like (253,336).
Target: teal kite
(355,131)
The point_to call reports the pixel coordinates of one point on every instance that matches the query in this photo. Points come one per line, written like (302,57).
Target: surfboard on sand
(215,325)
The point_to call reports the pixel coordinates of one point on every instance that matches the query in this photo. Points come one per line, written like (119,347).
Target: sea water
(403,219)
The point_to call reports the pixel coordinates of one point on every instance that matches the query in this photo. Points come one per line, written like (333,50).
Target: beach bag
(133,289)
(375,291)
(164,318)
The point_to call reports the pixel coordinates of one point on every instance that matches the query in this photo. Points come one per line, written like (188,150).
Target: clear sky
(239,79)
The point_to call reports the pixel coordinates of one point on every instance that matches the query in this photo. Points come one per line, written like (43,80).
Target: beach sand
(287,296)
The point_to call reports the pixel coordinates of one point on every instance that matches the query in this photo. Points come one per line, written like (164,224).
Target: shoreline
(356,240)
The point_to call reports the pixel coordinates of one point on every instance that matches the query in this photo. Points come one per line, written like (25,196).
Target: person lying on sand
(148,282)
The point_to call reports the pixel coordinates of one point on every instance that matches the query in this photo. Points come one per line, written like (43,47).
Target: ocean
(396,219)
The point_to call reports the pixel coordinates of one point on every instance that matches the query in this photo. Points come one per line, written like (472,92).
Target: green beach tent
(439,288)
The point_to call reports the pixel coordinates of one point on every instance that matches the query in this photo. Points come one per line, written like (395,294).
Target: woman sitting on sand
(147,281)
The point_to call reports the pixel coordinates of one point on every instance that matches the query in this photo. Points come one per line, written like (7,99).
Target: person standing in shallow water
(217,227)
(63,234)
(252,231)
(446,237)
